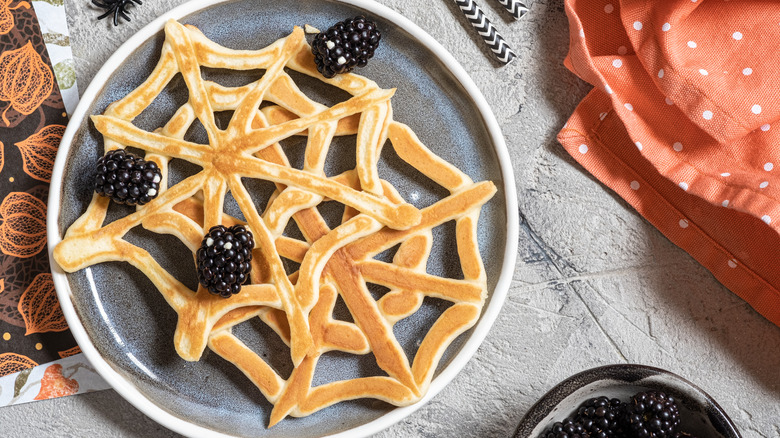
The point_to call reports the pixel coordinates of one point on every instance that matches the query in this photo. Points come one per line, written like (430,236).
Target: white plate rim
(129,391)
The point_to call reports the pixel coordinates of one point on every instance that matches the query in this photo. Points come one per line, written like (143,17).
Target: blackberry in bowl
(601,416)
(652,397)
(652,414)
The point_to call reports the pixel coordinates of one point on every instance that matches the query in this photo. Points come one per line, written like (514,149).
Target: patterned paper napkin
(39,359)
(54,28)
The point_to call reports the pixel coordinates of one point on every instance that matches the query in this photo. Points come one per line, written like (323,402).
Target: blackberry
(567,428)
(224,258)
(126,178)
(345,45)
(651,415)
(600,417)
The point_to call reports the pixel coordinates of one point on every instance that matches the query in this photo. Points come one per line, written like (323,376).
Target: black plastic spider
(116,7)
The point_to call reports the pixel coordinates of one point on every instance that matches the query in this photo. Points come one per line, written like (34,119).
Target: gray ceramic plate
(700,415)
(123,324)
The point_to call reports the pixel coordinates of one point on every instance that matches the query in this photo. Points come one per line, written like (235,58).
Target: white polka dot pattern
(693,84)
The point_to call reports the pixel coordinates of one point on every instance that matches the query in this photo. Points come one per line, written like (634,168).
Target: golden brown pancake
(333,262)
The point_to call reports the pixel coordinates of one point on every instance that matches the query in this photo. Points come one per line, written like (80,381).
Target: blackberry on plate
(600,417)
(652,415)
(567,428)
(223,259)
(127,178)
(345,45)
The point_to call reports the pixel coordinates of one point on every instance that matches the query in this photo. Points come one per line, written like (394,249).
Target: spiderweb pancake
(333,262)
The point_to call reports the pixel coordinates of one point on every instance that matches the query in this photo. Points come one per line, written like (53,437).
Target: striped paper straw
(486,30)
(515,7)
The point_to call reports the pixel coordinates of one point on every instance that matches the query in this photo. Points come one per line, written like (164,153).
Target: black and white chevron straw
(515,7)
(486,30)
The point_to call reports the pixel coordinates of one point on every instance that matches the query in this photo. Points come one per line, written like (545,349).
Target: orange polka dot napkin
(684,124)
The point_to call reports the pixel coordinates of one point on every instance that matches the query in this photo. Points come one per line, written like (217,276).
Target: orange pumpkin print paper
(39,150)
(17,274)
(25,80)
(70,352)
(13,363)
(54,384)
(23,230)
(7,17)
(32,121)
(40,308)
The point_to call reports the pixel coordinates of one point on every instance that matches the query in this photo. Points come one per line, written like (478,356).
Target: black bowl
(700,415)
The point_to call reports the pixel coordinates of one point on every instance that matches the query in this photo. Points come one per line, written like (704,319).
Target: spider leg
(123,15)
(116,17)
(105,15)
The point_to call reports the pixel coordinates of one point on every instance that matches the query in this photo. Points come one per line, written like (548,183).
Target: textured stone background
(595,283)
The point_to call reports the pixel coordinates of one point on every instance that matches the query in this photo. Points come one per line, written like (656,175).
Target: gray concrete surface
(594,284)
